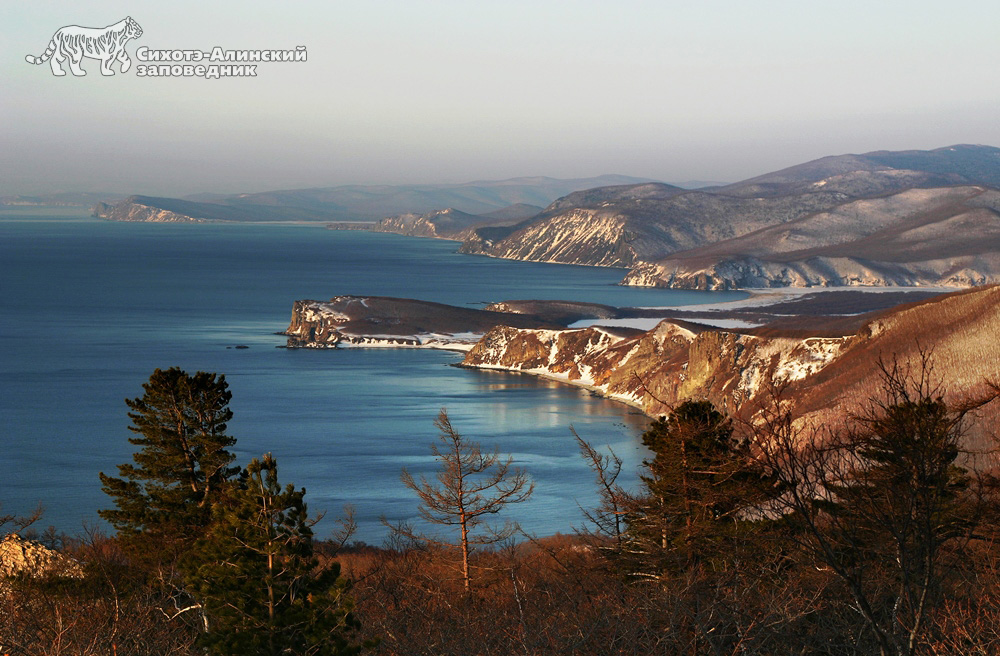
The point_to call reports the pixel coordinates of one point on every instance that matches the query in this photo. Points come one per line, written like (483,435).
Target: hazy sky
(450,91)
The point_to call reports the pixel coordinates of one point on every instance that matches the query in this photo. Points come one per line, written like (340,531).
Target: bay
(89,308)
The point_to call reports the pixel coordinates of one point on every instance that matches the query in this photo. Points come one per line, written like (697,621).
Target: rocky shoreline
(790,338)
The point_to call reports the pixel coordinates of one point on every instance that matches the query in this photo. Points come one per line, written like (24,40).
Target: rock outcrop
(658,368)
(451,223)
(21,557)
(441,224)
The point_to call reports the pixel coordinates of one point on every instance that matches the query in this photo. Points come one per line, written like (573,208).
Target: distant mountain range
(881,218)
(353,202)
(69,199)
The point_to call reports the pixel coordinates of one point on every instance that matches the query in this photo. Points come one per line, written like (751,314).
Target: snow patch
(726,323)
(640,323)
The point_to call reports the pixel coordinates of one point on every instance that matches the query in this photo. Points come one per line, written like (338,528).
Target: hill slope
(447,224)
(735,235)
(946,236)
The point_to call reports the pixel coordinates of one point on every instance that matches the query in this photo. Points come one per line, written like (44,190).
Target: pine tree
(258,581)
(163,500)
(883,502)
(898,498)
(697,489)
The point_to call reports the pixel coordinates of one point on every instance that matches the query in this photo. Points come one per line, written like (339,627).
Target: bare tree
(20,522)
(472,485)
(881,500)
(607,518)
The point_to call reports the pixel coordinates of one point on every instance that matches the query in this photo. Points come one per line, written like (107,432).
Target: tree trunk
(465,552)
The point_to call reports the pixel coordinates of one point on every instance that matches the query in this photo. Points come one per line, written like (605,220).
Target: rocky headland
(822,345)
(395,322)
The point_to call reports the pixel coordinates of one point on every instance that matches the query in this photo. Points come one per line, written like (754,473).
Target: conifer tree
(259,583)
(700,482)
(894,498)
(163,500)
(883,502)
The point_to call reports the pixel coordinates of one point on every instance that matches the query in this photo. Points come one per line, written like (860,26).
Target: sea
(89,308)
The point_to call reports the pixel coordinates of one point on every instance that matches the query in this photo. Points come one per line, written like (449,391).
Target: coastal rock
(659,368)
(580,236)
(441,224)
(453,224)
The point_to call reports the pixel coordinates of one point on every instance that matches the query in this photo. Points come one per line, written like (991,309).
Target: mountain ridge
(723,237)
(666,235)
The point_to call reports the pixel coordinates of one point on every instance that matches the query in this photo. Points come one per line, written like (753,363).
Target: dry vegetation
(557,595)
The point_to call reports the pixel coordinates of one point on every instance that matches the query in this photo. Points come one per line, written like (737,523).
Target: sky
(415,91)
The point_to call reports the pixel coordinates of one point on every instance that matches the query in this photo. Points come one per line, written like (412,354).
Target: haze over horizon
(448,92)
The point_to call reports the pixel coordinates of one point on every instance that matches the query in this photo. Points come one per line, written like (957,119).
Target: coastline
(559,378)
(758,299)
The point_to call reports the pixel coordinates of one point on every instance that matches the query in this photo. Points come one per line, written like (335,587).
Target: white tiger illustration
(74,43)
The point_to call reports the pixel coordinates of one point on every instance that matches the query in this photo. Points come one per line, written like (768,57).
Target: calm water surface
(89,308)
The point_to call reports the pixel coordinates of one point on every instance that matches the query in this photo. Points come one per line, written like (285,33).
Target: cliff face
(450,223)
(580,236)
(314,326)
(412,225)
(442,224)
(659,368)
(671,363)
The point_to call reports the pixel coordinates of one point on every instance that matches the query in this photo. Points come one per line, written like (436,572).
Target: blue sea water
(89,308)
